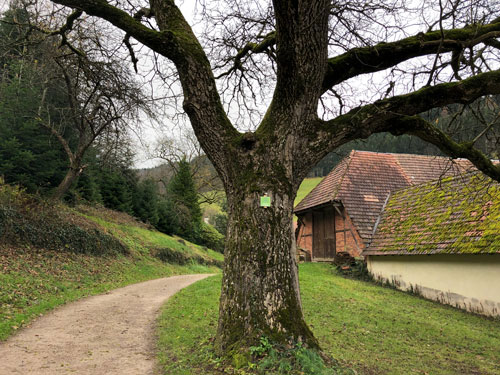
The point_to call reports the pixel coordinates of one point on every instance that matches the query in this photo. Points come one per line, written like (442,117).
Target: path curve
(108,334)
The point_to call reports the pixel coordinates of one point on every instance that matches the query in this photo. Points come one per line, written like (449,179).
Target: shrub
(357,269)
(220,223)
(168,255)
(210,237)
(293,360)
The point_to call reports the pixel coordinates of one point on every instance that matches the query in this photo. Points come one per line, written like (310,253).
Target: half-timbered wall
(323,232)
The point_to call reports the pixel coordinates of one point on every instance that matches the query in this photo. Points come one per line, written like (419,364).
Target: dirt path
(107,334)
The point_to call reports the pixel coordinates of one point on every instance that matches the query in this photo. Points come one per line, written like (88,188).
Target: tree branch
(250,48)
(119,18)
(301,56)
(385,116)
(177,42)
(143,12)
(367,118)
(62,31)
(416,125)
(63,142)
(372,59)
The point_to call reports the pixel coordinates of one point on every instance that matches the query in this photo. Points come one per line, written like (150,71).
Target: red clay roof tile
(363,180)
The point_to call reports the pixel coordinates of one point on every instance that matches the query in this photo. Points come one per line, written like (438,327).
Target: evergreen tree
(28,156)
(146,201)
(167,218)
(117,189)
(181,192)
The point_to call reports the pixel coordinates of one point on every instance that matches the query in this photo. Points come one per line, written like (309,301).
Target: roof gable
(458,215)
(363,180)
(327,189)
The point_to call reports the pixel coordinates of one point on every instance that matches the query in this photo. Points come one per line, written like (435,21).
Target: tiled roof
(363,180)
(327,189)
(458,215)
(422,168)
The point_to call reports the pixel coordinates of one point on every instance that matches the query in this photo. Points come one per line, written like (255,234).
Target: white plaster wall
(471,282)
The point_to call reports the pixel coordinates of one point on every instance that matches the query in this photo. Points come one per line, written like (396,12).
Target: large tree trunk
(260,288)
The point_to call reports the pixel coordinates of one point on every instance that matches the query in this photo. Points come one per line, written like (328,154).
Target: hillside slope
(51,254)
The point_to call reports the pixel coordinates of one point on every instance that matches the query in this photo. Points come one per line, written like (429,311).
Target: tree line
(64,115)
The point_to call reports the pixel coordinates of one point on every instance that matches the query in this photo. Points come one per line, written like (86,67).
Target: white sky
(149,133)
(152,133)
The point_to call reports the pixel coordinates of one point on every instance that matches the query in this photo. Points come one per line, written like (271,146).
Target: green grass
(305,188)
(142,239)
(35,280)
(372,329)
(186,325)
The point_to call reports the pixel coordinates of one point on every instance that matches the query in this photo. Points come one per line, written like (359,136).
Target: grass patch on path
(373,329)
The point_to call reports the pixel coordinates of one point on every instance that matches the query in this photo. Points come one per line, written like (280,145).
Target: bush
(357,269)
(210,237)
(220,223)
(168,255)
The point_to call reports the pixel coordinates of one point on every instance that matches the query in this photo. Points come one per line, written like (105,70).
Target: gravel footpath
(107,334)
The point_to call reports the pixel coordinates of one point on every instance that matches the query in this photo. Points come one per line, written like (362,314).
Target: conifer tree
(146,201)
(182,193)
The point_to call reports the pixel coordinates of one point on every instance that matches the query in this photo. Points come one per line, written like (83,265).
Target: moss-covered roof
(363,180)
(459,215)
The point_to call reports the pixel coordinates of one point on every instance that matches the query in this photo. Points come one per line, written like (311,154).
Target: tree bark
(66,183)
(260,288)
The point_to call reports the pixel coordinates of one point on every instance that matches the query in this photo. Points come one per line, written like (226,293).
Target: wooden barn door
(330,241)
(323,234)
(318,235)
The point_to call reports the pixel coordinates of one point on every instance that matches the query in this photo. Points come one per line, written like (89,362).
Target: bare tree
(186,147)
(101,98)
(103,101)
(450,56)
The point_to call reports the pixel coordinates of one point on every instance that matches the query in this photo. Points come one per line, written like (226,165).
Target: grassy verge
(143,240)
(35,281)
(373,329)
(186,327)
(50,255)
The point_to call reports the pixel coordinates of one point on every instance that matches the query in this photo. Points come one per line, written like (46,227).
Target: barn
(340,213)
(442,240)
